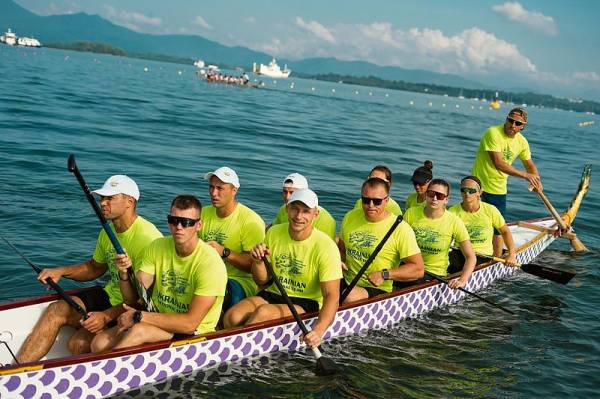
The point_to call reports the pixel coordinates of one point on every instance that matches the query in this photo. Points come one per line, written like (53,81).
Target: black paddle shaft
(364,268)
(50,282)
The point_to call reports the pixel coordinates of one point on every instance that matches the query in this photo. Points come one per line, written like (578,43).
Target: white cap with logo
(297,181)
(119,184)
(226,175)
(306,196)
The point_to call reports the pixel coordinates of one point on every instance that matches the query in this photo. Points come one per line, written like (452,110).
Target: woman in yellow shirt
(481,219)
(436,229)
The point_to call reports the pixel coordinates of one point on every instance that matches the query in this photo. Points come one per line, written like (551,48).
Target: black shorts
(309,305)
(95,300)
(457,261)
(371,291)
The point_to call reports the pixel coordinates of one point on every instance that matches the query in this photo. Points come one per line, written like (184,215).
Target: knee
(261,313)
(78,345)
(233,318)
(100,343)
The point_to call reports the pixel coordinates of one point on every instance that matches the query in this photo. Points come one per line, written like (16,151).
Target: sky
(552,44)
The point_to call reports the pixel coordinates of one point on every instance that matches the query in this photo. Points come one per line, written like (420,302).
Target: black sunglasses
(185,222)
(436,195)
(515,122)
(468,190)
(375,201)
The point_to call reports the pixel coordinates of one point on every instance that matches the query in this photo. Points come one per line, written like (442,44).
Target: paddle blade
(558,276)
(326,366)
(71,165)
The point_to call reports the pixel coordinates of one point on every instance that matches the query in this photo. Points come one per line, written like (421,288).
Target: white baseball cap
(306,196)
(119,184)
(297,181)
(226,175)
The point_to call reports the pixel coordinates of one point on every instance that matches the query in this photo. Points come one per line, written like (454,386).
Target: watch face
(226,252)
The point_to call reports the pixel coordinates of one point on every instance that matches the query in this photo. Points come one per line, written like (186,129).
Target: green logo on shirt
(475,233)
(507,154)
(215,235)
(291,265)
(362,239)
(174,283)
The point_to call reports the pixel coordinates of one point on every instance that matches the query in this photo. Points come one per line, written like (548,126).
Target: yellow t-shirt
(494,139)
(239,232)
(177,279)
(434,237)
(361,237)
(411,201)
(324,221)
(134,240)
(302,265)
(392,206)
(480,225)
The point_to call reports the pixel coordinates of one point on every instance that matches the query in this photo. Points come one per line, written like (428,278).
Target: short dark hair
(441,182)
(186,201)
(386,171)
(375,182)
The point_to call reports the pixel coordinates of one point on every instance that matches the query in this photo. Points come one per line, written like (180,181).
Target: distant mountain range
(77,27)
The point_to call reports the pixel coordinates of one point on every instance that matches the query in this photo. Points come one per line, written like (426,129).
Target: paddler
(384,173)
(420,180)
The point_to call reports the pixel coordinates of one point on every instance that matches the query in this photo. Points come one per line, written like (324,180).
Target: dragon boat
(60,374)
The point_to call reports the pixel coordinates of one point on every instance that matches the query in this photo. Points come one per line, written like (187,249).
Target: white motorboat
(271,70)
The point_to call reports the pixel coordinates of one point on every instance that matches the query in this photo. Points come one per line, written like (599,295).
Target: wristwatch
(226,252)
(385,273)
(137,316)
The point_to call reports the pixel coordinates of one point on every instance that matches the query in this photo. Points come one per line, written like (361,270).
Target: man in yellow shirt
(307,263)
(118,201)
(324,221)
(362,229)
(232,229)
(499,147)
(188,279)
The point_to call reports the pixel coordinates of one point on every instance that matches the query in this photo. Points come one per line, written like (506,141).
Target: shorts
(457,261)
(371,291)
(309,305)
(234,293)
(499,201)
(95,300)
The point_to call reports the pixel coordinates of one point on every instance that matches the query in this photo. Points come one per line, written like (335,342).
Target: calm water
(166,128)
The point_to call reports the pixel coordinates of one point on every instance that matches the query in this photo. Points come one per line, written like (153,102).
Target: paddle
(370,260)
(72,166)
(325,366)
(76,307)
(558,276)
(576,243)
(441,280)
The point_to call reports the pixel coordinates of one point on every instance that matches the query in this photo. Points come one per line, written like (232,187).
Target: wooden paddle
(370,259)
(325,366)
(576,243)
(441,280)
(558,276)
(72,166)
(74,305)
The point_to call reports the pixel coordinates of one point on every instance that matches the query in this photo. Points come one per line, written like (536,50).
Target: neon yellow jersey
(302,265)
(239,232)
(480,225)
(324,221)
(412,200)
(392,206)
(361,237)
(434,237)
(177,279)
(134,240)
(494,139)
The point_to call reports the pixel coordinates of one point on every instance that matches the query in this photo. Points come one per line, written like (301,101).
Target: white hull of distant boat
(271,70)
(11,39)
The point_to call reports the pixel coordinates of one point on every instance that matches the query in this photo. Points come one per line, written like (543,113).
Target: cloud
(316,29)
(472,51)
(249,20)
(535,20)
(587,76)
(201,22)
(132,20)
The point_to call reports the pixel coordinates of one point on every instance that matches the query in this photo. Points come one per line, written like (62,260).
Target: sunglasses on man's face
(468,190)
(375,201)
(185,222)
(515,122)
(434,194)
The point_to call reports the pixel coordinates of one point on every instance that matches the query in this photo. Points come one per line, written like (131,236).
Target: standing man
(118,201)
(307,263)
(232,229)
(189,281)
(295,181)
(362,230)
(499,147)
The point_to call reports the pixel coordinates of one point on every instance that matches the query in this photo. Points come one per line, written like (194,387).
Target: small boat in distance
(11,39)
(271,70)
